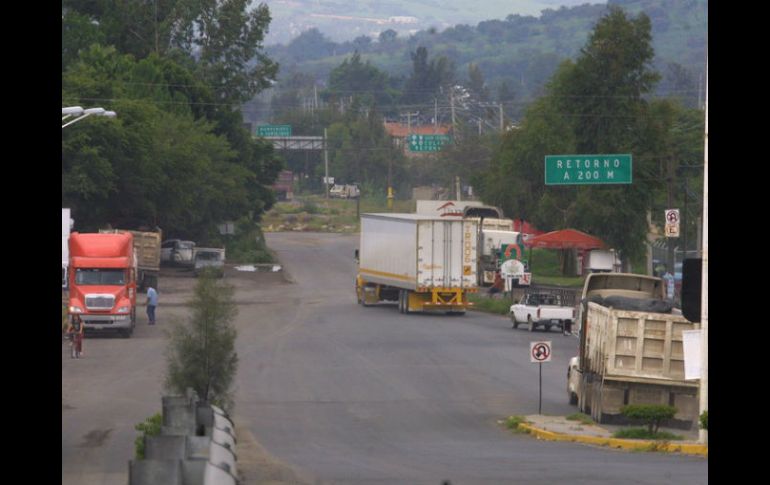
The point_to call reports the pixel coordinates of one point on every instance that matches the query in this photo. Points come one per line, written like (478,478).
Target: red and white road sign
(540,351)
(672,216)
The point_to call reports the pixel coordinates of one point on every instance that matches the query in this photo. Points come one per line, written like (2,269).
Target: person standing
(152,302)
(75,330)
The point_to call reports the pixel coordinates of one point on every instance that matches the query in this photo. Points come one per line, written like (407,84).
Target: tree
(476,82)
(427,78)
(310,44)
(356,78)
(201,354)
(594,105)
(388,36)
(226,39)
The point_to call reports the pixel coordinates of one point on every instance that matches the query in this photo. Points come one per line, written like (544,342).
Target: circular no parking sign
(540,352)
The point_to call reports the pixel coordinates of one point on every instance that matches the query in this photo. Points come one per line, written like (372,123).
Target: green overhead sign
(427,143)
(274,130)
(588,169)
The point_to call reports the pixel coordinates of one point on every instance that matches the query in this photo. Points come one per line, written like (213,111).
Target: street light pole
(81,114)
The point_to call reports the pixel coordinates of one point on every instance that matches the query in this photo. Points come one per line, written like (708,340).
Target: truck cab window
(100,277)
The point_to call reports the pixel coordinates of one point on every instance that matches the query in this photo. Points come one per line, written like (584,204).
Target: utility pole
(502,126)
(452,102)
(435,115)
(703,435)
(326,164)
(156,26)
(670,254)
(458,190)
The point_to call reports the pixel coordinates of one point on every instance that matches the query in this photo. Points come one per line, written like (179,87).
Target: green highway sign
(274,130)
(427,143)
(588,169)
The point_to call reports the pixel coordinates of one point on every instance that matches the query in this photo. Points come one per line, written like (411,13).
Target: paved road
(367,395)
(338,393)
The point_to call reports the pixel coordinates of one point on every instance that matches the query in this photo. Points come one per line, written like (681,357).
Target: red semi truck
(102,281)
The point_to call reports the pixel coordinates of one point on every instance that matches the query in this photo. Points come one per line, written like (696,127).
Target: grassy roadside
(315,213)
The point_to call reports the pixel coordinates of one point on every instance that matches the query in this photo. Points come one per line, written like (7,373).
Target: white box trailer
(424,262)
(66,226)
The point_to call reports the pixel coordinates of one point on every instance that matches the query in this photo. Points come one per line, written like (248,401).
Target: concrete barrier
(196,446)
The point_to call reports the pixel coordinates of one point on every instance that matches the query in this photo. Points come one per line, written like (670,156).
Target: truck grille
(100,302)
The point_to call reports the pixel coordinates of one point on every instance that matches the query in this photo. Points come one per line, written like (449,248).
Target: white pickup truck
(543,309)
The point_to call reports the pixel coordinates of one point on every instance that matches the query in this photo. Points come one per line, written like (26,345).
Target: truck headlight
(76,309)
(123,309)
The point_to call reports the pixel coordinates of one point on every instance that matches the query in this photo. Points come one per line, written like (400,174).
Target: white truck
(542,309)
(631,350)
(66,226)
(344,191)
(177,252)
(600,260)
(424,262)
(497,240)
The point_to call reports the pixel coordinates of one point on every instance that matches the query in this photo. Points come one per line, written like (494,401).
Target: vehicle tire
(406,302)
(573,399)
(363,297)
(514,321)
(400,301)
(530,323)
(548,327)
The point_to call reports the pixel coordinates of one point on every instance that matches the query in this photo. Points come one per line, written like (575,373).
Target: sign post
(672,223)
(274,130)
(540,352)
(427,143)
(588,169)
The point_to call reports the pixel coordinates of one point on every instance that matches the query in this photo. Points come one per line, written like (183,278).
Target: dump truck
(631,350)
(147,247)
(423,262)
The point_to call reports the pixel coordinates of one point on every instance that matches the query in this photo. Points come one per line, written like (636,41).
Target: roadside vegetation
(581,417)
(513,423)
(316,213)
(201,353)
(652,415)
(150,427)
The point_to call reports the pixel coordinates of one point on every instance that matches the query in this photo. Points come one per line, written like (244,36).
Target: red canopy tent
(565,239)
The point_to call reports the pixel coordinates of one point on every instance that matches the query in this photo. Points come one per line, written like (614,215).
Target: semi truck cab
(103,281)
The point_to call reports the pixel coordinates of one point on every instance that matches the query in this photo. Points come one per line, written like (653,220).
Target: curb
(639,445)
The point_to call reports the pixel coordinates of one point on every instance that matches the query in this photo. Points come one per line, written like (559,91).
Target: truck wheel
(363,297)
(515,322)
(401,301)
(530,323)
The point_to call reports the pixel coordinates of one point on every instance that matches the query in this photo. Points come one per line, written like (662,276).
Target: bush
(583,418)
(704,420)
(650,414)
(513,423)
(645,434)
(201,354)
(483,303)
(150,427)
